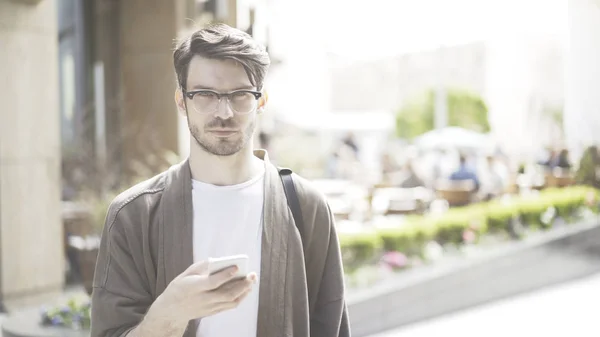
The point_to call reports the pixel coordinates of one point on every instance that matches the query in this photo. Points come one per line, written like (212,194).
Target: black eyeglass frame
(190,94)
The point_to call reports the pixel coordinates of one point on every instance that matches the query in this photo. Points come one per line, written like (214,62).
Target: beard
(222,146)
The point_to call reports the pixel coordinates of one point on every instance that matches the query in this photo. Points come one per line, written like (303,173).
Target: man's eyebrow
(204,87)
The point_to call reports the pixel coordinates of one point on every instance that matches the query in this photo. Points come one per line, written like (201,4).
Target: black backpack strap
(292,198)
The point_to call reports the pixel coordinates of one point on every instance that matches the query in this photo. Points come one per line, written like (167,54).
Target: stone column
(31,234)
(149,118)
(582,100)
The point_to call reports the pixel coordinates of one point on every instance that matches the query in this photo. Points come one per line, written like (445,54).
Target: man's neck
(224,170)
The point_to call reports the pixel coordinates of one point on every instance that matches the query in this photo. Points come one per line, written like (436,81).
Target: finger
(217,279)
(232,290)
(223,306)
(235,302)
(198,268)
(247,281)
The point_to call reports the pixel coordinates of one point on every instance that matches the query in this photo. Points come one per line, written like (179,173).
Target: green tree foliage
(589,165)
(465,109)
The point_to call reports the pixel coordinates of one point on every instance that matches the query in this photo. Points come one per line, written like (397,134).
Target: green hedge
(495,217)
(359,249)
(408,238)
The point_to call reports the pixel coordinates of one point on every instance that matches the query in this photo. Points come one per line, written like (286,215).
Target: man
(151,274)
(465,173)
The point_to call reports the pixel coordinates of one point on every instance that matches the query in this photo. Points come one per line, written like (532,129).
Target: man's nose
(223,109)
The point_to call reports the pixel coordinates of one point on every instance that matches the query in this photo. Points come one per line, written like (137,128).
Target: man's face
(220,131)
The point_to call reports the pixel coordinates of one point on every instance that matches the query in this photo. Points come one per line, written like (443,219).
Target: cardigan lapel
(276,224)
(176,245)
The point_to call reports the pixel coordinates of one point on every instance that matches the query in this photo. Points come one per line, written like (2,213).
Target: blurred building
(86,99)
(386,83)
(582,108)
(520,78)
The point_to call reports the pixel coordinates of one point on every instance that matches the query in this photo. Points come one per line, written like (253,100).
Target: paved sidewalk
(2,317)
(563,310)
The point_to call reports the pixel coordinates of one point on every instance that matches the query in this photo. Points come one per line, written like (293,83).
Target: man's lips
(222,132)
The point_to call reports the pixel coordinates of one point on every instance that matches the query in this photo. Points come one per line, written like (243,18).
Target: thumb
(198,268)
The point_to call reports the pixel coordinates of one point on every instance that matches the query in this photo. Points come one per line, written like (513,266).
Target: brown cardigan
(147,242)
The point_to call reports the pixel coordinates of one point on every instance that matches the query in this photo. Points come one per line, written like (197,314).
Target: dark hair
(221,42)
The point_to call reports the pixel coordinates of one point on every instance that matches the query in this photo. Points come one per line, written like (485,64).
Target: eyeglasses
(240,101)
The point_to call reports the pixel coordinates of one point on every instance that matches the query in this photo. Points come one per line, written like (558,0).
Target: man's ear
(180,101)
(262,102)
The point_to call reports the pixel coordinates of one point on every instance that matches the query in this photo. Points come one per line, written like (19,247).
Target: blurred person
(344,164)
(151,274)
(491,180)
(332,165)
(562,160)
(549,158)
(350,141)
(543,156)
(430,170)
(264,140)
(444,163)
(436,162)
(503,163)
(464,172)
(410,178)
(388,166)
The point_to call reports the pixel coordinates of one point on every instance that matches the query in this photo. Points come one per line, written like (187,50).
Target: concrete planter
(86,264)
(551,257)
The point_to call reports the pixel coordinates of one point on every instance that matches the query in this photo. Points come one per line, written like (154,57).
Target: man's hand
(194,294)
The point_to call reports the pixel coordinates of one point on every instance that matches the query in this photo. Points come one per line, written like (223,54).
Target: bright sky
(375,28)
(304,31)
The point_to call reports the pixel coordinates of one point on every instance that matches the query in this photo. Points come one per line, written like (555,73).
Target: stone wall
(31,243)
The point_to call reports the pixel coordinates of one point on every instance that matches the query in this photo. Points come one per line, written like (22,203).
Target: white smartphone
(216,265)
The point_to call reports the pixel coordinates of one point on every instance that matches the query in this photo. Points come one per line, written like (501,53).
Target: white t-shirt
(228,221)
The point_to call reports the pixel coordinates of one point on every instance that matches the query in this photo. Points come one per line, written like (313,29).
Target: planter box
(551,257)
(87,265)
